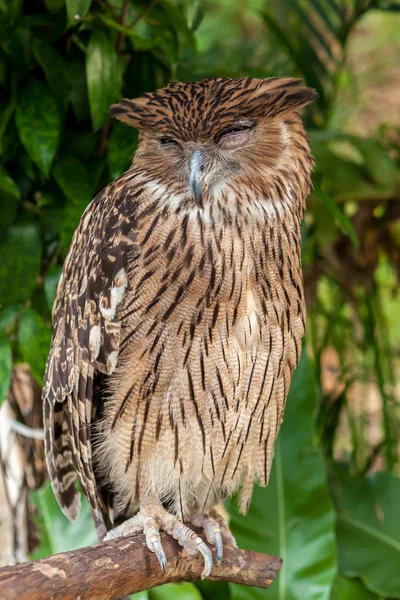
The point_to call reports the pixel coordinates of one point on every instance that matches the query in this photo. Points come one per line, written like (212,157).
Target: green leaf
(58,533)
(293,517)
(77,10)
(368,532)
(121,147)
(377,161)
(50,284)
(54,5)
(54,68)
(350,589)
(336,212)
(38,123)
(77,184)
(103,74)
(177,591)
(20,263)
(34,342)
(9,196)
(5,366)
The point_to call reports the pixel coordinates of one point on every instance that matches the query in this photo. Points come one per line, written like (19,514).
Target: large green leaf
(77,10)
(5,366)
(34,342)
(20,263)
(54,68)
(350,589)
(103,74)
(368,532)
(38,123)
(293,517)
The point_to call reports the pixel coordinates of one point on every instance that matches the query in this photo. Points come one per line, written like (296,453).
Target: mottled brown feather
(178,323)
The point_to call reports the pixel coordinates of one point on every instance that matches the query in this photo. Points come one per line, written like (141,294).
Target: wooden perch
(124,566)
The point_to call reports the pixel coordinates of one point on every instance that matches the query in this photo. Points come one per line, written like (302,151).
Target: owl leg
(153,518)
(216,530)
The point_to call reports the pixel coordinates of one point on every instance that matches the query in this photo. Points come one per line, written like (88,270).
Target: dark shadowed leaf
(293,517)
(50,284)
(54,68)
(77,184)
(34,342)
(77,10)
(369,532)
(103,74)
(9,196)
(54,5)
(121,147)
(350,589)
(20,263)
(5,366)
(38,123)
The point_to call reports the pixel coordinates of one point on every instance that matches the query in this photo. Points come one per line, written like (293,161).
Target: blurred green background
(332,508)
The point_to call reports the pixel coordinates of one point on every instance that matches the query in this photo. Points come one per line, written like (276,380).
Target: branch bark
(124,566)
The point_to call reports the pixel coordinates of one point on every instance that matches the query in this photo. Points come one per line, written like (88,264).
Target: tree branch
(115,568)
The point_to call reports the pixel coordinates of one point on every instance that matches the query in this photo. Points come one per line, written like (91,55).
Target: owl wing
(85,341)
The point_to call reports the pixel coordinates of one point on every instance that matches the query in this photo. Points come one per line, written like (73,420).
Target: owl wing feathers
(85,341)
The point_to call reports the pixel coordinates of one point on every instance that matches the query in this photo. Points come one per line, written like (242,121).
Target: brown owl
(180,312)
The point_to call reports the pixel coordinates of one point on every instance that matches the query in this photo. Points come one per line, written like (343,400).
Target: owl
(180,312)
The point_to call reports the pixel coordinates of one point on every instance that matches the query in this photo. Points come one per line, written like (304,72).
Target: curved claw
(207,556)
(219,548)
(159,551)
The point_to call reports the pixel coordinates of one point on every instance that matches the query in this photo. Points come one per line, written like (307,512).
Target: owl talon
(159,552)
(219,548)
(207,556)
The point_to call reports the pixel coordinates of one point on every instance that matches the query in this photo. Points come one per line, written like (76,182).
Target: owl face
(209,135)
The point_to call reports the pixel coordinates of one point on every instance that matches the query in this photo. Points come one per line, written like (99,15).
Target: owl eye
(165,140)
(235,128)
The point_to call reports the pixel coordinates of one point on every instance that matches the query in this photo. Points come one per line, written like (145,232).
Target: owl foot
(153,518)
(216,530)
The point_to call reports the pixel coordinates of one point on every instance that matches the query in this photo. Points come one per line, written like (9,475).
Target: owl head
(219,132)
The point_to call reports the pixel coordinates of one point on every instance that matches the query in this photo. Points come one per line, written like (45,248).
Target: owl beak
(196,176)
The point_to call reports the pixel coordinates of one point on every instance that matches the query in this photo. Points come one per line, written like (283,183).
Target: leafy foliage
(62,63)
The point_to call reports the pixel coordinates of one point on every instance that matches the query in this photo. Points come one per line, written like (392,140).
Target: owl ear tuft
(279,95)
(133,112)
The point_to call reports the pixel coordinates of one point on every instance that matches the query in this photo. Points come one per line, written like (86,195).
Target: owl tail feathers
(59,462)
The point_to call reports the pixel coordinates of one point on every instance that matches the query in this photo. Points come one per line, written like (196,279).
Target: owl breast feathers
(180,311)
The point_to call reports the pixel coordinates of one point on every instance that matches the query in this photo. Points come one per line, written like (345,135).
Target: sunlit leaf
(60,535)
(38,123)
(103,74)
(177,591)
(20,263)
(5,366)
(34,342)
(342,219)
(293,517)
